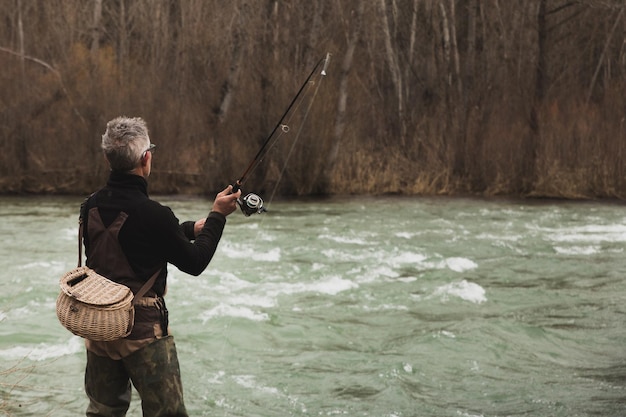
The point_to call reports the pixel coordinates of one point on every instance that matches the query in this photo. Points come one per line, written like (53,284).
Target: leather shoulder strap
(80,244)
(144,289)
(81,215)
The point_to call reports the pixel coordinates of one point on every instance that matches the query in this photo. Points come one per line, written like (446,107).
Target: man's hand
(226,201)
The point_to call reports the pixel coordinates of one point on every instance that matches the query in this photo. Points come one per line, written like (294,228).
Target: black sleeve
(174,244)
(187,228)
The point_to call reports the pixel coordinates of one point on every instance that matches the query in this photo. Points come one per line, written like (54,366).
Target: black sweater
(152,235)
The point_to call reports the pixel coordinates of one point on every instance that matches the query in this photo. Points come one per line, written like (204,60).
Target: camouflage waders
(146,358)
(153,370)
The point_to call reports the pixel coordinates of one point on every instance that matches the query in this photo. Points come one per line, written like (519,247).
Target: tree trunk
(540,91)
(342,93)
(20,36)
(604,50)
(95,31)
(391,57)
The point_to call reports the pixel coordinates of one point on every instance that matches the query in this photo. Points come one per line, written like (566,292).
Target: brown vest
(106,257)
(105,253)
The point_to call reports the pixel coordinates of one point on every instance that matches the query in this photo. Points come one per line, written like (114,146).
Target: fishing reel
(251,204)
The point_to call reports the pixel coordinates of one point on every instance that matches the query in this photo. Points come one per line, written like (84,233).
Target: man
(130,238)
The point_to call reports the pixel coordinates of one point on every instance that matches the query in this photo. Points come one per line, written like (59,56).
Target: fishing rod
(252,203)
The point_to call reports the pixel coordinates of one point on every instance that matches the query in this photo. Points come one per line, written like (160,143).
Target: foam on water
(344,239)
(330,285)
(30,309)
(225,310)
(69,233)
(386,307)
(589,234)
(342,255)
(499,237)
(374,274)
(244,251)
(460,264)
(464,290)
(250,382)
(455,264)
(445,333)
(43,351)
(465,414)
(47,265)
(315,266)
(577,250)
(408,258)
(419,261)
(237,303)
(242,299)
(228,282)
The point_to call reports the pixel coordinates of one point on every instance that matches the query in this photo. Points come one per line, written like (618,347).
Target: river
(388,307)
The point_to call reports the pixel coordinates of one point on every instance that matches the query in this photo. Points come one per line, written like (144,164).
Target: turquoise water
(390,307)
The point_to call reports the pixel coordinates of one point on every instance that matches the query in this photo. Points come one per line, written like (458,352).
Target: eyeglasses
(151,148)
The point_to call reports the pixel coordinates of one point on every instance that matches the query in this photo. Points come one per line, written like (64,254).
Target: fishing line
(252,203)
(295,141)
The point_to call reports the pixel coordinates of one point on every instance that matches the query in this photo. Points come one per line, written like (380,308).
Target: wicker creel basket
(94,307)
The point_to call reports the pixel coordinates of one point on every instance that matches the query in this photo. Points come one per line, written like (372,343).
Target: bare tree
(602,57)
(353,26)
(96,28)
(393,61)
(439,96)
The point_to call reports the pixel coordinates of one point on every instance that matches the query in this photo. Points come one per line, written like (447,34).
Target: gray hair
(124,142)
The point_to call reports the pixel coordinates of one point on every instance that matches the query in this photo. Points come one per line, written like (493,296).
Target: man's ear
(144,159)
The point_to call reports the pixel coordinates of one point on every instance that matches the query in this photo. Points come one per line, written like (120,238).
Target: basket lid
(87,286)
